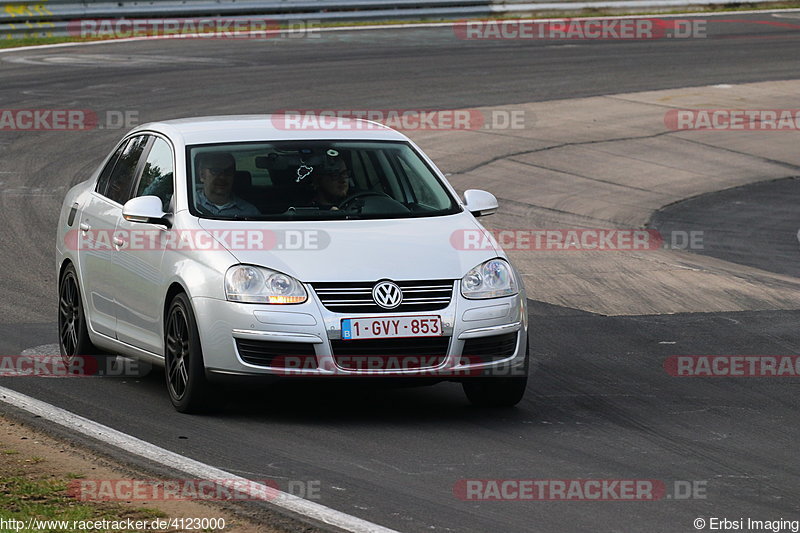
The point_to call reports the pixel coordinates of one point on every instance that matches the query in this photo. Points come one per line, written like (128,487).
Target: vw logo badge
(387,295)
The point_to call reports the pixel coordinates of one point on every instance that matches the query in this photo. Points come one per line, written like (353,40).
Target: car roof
(245,128)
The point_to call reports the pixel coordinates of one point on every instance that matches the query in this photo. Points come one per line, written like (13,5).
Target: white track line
(379,27)
(188,466)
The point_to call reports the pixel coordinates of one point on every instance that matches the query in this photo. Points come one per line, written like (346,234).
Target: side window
(102,181)
(157,174)
(119,185)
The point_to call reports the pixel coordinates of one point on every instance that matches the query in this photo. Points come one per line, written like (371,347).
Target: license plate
(391,326)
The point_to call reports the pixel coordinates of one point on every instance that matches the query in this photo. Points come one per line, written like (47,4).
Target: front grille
(356,297)
(484,349)
(390,354)
(277,354)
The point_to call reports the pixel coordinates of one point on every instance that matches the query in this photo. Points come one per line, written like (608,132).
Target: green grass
(23,497)
(34,41)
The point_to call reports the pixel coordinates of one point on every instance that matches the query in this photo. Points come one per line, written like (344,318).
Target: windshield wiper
(313,213)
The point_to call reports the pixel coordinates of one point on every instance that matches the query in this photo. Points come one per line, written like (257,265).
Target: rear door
(97,223)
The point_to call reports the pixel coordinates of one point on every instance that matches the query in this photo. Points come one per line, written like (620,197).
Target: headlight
(257,285)
(492,279)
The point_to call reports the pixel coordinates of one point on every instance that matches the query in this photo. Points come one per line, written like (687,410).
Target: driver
(332,185)
(216,171)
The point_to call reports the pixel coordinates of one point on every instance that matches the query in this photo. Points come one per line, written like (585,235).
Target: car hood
(357,250)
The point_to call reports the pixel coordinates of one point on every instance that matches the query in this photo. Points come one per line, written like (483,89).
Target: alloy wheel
(177,353)
(69,316)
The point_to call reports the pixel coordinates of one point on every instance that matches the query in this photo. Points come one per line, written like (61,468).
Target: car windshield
(314,180)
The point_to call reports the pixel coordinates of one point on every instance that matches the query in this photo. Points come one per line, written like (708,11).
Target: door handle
(119,243)
(85,227)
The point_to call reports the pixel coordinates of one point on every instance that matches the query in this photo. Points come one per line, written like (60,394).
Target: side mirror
(146,209)
(480,203)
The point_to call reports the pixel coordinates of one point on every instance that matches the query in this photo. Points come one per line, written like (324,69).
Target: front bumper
(311,328)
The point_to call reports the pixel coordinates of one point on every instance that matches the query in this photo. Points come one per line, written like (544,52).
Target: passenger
(332,184)
(216,172)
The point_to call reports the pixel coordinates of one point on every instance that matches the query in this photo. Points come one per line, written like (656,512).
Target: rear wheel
(497,391)
(183,358)
(73,334)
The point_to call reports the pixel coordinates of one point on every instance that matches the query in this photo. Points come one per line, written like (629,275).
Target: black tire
(497,391)
(183,358)
(73,333)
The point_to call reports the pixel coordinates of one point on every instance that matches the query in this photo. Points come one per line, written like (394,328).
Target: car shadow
(337,401)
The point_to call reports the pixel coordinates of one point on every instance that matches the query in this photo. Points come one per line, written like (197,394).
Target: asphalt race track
(600,403)
(762,234)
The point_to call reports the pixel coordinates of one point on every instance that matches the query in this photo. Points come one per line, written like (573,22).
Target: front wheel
(183,358)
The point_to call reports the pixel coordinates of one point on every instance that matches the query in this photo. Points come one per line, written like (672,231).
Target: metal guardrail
(54,10)
(53,17)
(49,28)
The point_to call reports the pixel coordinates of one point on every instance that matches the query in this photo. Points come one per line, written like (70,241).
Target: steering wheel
(347,201)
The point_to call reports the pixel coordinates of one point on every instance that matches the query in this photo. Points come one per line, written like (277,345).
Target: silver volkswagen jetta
(235,247)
